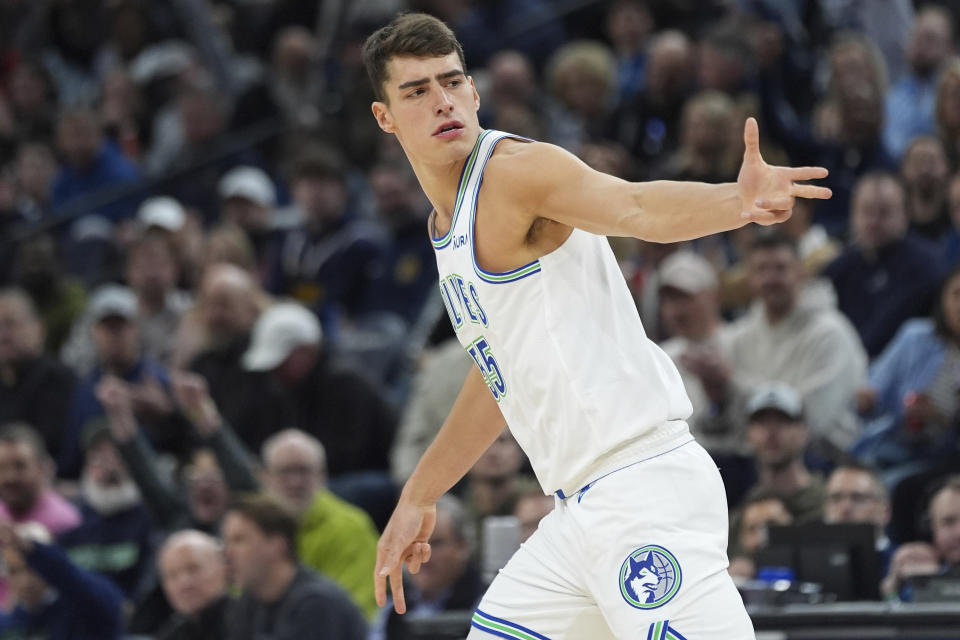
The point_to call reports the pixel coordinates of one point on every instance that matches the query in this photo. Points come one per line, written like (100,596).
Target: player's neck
(440,183)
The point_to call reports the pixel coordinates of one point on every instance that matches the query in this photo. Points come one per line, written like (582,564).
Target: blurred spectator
(853,146)
(54,598)
(291,87)
(34,388)
(529,26)
(723,60)
(448,582)
(909,560)
(945,522)
(582,81)
(193,572)
(910,101)
(649,125)
(152,273)
(628,25)
(690,312)
(710,150)
(25,473)
(123,115)
(59,298)
(247,200)
(750,530)
(329,262)
(34,171)
(219,464)
(33,99)
(531,507)
(281,599)
(333,537)
(408,273)
(91,164)
(886,275)
(789,335)
(494,483)
(335,405)
(206,148)
(115,332)
(925,175)
(778,437)
(435,386)
(951,243)
(948,109)
(910,403)
(919,558)
(856,495)
(817,249)
(513,85)
(115,536)
(219,327)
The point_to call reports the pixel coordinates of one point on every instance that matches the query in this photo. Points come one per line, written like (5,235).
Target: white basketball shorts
(639,553)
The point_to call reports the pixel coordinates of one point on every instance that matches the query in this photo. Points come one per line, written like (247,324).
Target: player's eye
(417,92)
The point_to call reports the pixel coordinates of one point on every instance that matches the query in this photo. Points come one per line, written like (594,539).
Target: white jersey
(560,344)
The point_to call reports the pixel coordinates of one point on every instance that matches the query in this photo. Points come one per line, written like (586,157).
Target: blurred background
(215,284)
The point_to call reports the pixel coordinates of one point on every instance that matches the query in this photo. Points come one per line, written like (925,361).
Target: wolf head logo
(643,578)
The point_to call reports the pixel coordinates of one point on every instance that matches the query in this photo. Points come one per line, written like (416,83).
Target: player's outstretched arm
(551,183)
(473,424)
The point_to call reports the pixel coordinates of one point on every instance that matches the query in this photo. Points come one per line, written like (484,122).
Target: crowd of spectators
(222,346)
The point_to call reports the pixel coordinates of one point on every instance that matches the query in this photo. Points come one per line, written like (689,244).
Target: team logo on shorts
(650,577)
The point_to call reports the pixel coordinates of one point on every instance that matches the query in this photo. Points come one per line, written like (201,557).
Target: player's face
(431,106)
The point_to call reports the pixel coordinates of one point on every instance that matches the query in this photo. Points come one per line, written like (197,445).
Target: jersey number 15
(479,350)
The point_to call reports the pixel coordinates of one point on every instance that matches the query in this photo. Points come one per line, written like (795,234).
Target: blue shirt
(83,606)
(109,169)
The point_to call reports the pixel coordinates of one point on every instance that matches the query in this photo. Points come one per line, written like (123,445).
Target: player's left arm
(551,183)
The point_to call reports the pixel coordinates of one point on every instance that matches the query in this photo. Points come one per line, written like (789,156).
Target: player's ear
(476,96)
(384,118)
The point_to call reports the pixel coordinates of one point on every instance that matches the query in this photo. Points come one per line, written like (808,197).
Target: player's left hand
(768,192)
(405,540)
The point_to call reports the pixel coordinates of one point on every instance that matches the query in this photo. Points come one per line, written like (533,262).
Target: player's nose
(445,105)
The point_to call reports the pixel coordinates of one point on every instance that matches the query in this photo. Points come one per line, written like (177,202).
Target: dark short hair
(268,515)
(21,432)
(774,239)
(409,34)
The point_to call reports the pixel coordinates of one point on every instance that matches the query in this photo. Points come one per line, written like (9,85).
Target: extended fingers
(807,173)
(811,191)
(396,586)
(751,138)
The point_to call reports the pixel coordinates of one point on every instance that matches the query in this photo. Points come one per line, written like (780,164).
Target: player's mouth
(448,130)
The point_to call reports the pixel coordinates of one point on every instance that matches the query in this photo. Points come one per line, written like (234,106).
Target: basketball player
(636,547)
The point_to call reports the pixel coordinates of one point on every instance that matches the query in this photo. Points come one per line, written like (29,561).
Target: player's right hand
(405,540)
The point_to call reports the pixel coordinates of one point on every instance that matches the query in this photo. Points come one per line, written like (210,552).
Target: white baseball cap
(278,331)
(778,397)
(162,211)
(112,300)
(688,272)
(250,184)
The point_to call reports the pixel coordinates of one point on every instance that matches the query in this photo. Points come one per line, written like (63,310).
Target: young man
(539,302)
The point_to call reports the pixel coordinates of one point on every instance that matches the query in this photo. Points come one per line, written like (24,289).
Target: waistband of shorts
(665,437)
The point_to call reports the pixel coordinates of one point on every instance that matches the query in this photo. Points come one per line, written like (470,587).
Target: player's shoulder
(528,164)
